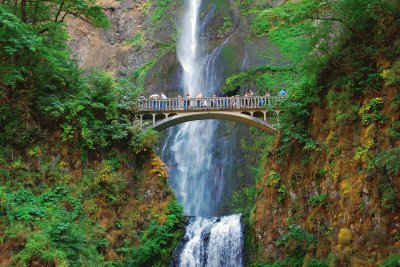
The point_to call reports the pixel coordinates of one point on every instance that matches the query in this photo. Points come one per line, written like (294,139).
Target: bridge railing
(209,103)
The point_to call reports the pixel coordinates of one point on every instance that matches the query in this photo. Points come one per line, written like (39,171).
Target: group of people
(249,93)
(186,103)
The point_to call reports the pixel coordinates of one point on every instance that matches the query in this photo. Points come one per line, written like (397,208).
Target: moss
(345,236)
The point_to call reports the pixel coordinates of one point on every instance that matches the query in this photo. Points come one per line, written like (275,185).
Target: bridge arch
(170,121)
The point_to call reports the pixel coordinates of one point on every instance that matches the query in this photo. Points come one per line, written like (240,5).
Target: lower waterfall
(212,242)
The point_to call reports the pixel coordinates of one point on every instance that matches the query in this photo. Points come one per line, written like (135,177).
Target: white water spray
(213,242)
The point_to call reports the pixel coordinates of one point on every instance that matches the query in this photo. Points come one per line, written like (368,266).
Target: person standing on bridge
(282,92)
(267,96)
(187,101)
(246,101)
(181,102)
(163,101)
(142,101)
(155,97)
(199,95)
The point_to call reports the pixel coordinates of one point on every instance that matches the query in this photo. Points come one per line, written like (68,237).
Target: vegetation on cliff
(79,183)
(329,194)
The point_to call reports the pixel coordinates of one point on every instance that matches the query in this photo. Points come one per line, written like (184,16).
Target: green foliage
(143,140)
(273,179)
(370,112)
(316,263)
(318,200)
(387,161)
(294,41)
(391,261)
(391,76)
(244,200)
(136,41)
(314,35)
(261,79)
(139,75)
(282,193)
(296,240)
(97,113)
(296,261)
(394,131)
(61,232)
(161,6)
(388,195)
(44,15)
(17,40)
(159,240)
(226,26)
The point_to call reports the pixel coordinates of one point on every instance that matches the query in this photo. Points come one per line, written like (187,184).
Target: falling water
(212,242)
(197,175)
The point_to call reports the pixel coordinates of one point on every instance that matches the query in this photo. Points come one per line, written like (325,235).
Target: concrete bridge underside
(174,119)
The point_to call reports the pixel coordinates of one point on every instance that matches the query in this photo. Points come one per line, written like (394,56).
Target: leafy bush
(282,193)
(159,240)
(318,200)
(388,196)
(273,179)
(60,233)
(394,131)
(296,240)
(289,261)
(316,263)
(388,161)
(391,261)
(370,112)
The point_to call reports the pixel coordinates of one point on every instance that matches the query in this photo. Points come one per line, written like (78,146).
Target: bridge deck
(182,105)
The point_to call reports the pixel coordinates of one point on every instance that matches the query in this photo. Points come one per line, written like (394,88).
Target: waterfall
(212,242)
(196,176)
(196,173)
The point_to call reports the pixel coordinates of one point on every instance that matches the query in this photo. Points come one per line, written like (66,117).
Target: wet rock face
(165,76)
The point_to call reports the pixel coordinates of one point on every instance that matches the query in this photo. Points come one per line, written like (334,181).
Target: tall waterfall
(196,175)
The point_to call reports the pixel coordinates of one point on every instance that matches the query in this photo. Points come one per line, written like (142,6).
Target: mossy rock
(345,236)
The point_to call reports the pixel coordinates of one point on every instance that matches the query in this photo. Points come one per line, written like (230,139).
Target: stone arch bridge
(256,111)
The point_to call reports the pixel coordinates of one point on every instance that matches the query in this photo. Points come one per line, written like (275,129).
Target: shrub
(296,240)
(273,179)
(316,263)
(370,112)
(394,131)
(282,193)
(159,240)
(318,200)
(387,161)
(388,196)
(391,261)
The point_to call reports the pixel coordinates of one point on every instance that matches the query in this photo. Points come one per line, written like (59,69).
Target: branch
(78,16)
(59,10)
